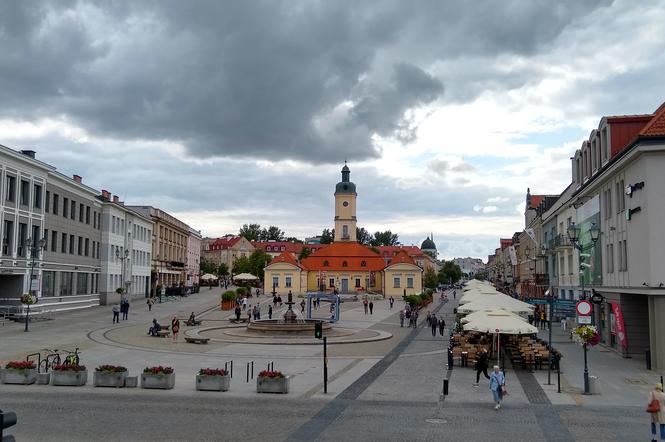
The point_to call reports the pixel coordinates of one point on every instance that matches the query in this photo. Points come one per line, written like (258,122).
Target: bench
(196,340)
(236,321)
(192,324)
(163,333)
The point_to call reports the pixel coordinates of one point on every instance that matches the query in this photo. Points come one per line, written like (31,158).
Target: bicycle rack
(39,360)
(226,364)
(271,366)
(250,364)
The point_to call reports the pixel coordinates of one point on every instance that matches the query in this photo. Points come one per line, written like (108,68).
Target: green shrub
(229,295)
(241,291)
(413,300)
(424,296)
(429,292)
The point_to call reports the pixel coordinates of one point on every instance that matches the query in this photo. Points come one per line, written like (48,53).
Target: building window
(10,188)
(38,196)
(603,144)
(326,264)
(87,215)
(288,281)
(81,214)
(81,283)
(55,204)
(66,283)
(72,238)
(409,283)
(396,282)
(54,241)
(621,197)
(80,246)
(610,258)
(345,264)
(63,245)
(625,256)
(345,231)
(363,263)
(46,239)
(72,211)
(25,193)
(48,283)
(275,281)
(268,249)
(357,283)
(65,207)
(48,202)
(22,236)
(7,237)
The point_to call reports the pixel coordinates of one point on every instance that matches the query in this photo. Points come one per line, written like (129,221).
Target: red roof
(390,251)
(342,256)
(402,257)
(224,243)
(535,201)
(287,258)
(506,242)
(655,127)
(278,246)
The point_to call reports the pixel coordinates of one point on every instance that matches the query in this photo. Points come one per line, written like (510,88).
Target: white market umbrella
(497,302)
(481,315)
(500,321)
(245,277)
(208,276)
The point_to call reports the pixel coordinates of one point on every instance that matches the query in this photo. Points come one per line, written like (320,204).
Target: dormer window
(268,248)
(326,264)
(345,264)
(363,263)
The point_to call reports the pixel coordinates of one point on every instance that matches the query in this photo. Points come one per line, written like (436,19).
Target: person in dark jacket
(238,312)
(442,326)
(434,323)
(481,366)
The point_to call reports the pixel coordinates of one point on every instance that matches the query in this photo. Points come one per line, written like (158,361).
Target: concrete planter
(69,378)
(272,385)
(228,305)
(109,379)
(213,383)
(158,381)
(13,376)
(131,382)
(43,378)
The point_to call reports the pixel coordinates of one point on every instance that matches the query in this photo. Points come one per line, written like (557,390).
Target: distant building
(193,257)
(470,266)
(226,250)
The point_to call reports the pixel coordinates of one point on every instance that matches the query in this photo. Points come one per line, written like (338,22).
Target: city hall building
(345,265)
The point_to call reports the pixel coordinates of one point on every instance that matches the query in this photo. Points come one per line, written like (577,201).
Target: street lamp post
(35,248)
(574,236)
(122,259)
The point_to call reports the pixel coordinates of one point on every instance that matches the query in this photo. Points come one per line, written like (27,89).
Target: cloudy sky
(230,112)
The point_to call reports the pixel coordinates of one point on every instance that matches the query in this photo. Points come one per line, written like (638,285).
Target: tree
(295,240)
(431,279)
(254,263)
(386,238)
(241,265)
(450,273)
(363,236)
(223,269)
(304,253)
(273,233)
(251,232)
(207,267)
(327,236)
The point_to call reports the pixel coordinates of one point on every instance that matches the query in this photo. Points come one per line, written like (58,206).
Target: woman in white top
(658,417)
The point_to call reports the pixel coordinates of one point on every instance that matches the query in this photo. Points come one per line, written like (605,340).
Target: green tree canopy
(386,238)
(450,273)
(223,269)
(251,232)
(430,279)
(327,236)
(272,233)
(363,236)
(207,267)
(304,253)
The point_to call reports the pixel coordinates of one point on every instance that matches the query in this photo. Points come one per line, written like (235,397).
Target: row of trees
(449,273)
(254,232)
(254,263)
(386,238)
(212,268)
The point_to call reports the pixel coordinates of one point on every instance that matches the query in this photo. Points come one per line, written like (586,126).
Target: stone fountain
(289,324)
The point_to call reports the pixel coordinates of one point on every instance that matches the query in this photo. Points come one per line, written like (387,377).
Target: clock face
(345,203)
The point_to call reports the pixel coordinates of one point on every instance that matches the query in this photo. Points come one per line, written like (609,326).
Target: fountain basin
(279,326)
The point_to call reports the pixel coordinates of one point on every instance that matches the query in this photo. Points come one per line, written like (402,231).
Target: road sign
(584,308)
(597,298)
(584,319)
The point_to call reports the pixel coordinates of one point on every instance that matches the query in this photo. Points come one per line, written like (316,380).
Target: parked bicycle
(53,358)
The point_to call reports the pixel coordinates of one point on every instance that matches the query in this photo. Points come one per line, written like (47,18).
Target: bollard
(445,387)
(450,359)
(252,369)
(648,357)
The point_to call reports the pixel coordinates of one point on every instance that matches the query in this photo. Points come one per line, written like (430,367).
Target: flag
(513,255)
(532,234)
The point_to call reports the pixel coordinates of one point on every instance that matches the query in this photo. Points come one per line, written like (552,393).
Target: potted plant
(213,379)
(228,300)
(19,372)
(69,374)
(272,382)
(159,377)
(109,376)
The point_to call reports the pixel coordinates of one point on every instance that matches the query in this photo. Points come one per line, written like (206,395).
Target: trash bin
(594,386)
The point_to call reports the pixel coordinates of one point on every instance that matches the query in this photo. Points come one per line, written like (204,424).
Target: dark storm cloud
(254,78)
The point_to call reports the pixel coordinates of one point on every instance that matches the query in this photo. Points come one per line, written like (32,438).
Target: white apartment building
(193,257)
(126,251)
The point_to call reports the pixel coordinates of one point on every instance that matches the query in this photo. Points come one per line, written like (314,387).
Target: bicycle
(53,358)
(73,357)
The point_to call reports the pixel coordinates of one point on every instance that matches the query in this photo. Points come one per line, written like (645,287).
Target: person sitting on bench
(192,320)
(155,328)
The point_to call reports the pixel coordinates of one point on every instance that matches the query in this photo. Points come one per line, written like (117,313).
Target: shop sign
(620,326)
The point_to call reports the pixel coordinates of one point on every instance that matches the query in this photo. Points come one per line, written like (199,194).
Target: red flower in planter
(20,365)
(158,370)
(213,372)
(69,367)
(271,374)
(111,368)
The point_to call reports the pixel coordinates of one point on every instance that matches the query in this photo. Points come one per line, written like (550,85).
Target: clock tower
(345,208)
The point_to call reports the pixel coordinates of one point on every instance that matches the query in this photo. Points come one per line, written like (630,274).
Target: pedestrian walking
(454,294)
(116,313)
(150,302)
(302,306)
(279,300)
(414,315)
(497,386)
(429,318)
(274,301)
(371,307)
(401,318)
(238,312)
(249,313)
(434,324)
(442,326)
(656,408)
(365,306)
(543,323)
(392,301)
(258,311)
(244,302)
(254,312)
(258,292)
(270,312)
(175,328)
(563,324)
(125,311)
(481,366)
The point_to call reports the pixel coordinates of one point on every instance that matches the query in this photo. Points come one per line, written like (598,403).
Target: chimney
(116,199)
(29,153)
(78,178)
(106,194)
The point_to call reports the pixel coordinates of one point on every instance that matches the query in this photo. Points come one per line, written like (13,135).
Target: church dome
(345,187)
(428,244)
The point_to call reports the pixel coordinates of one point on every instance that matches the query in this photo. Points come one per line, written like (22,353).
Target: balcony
(542,279)
(562,241)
